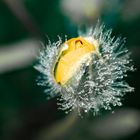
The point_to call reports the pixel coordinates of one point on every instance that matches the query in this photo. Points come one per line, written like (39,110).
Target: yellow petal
(70,60)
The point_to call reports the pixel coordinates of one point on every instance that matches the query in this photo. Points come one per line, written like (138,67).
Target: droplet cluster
(97,85)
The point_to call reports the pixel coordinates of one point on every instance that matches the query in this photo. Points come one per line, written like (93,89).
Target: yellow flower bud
(86,72)
(73,54)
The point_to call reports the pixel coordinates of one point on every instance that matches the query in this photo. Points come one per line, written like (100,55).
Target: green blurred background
(25,114)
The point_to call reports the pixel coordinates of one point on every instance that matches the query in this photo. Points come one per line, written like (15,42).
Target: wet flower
(87,72)
(74,52)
